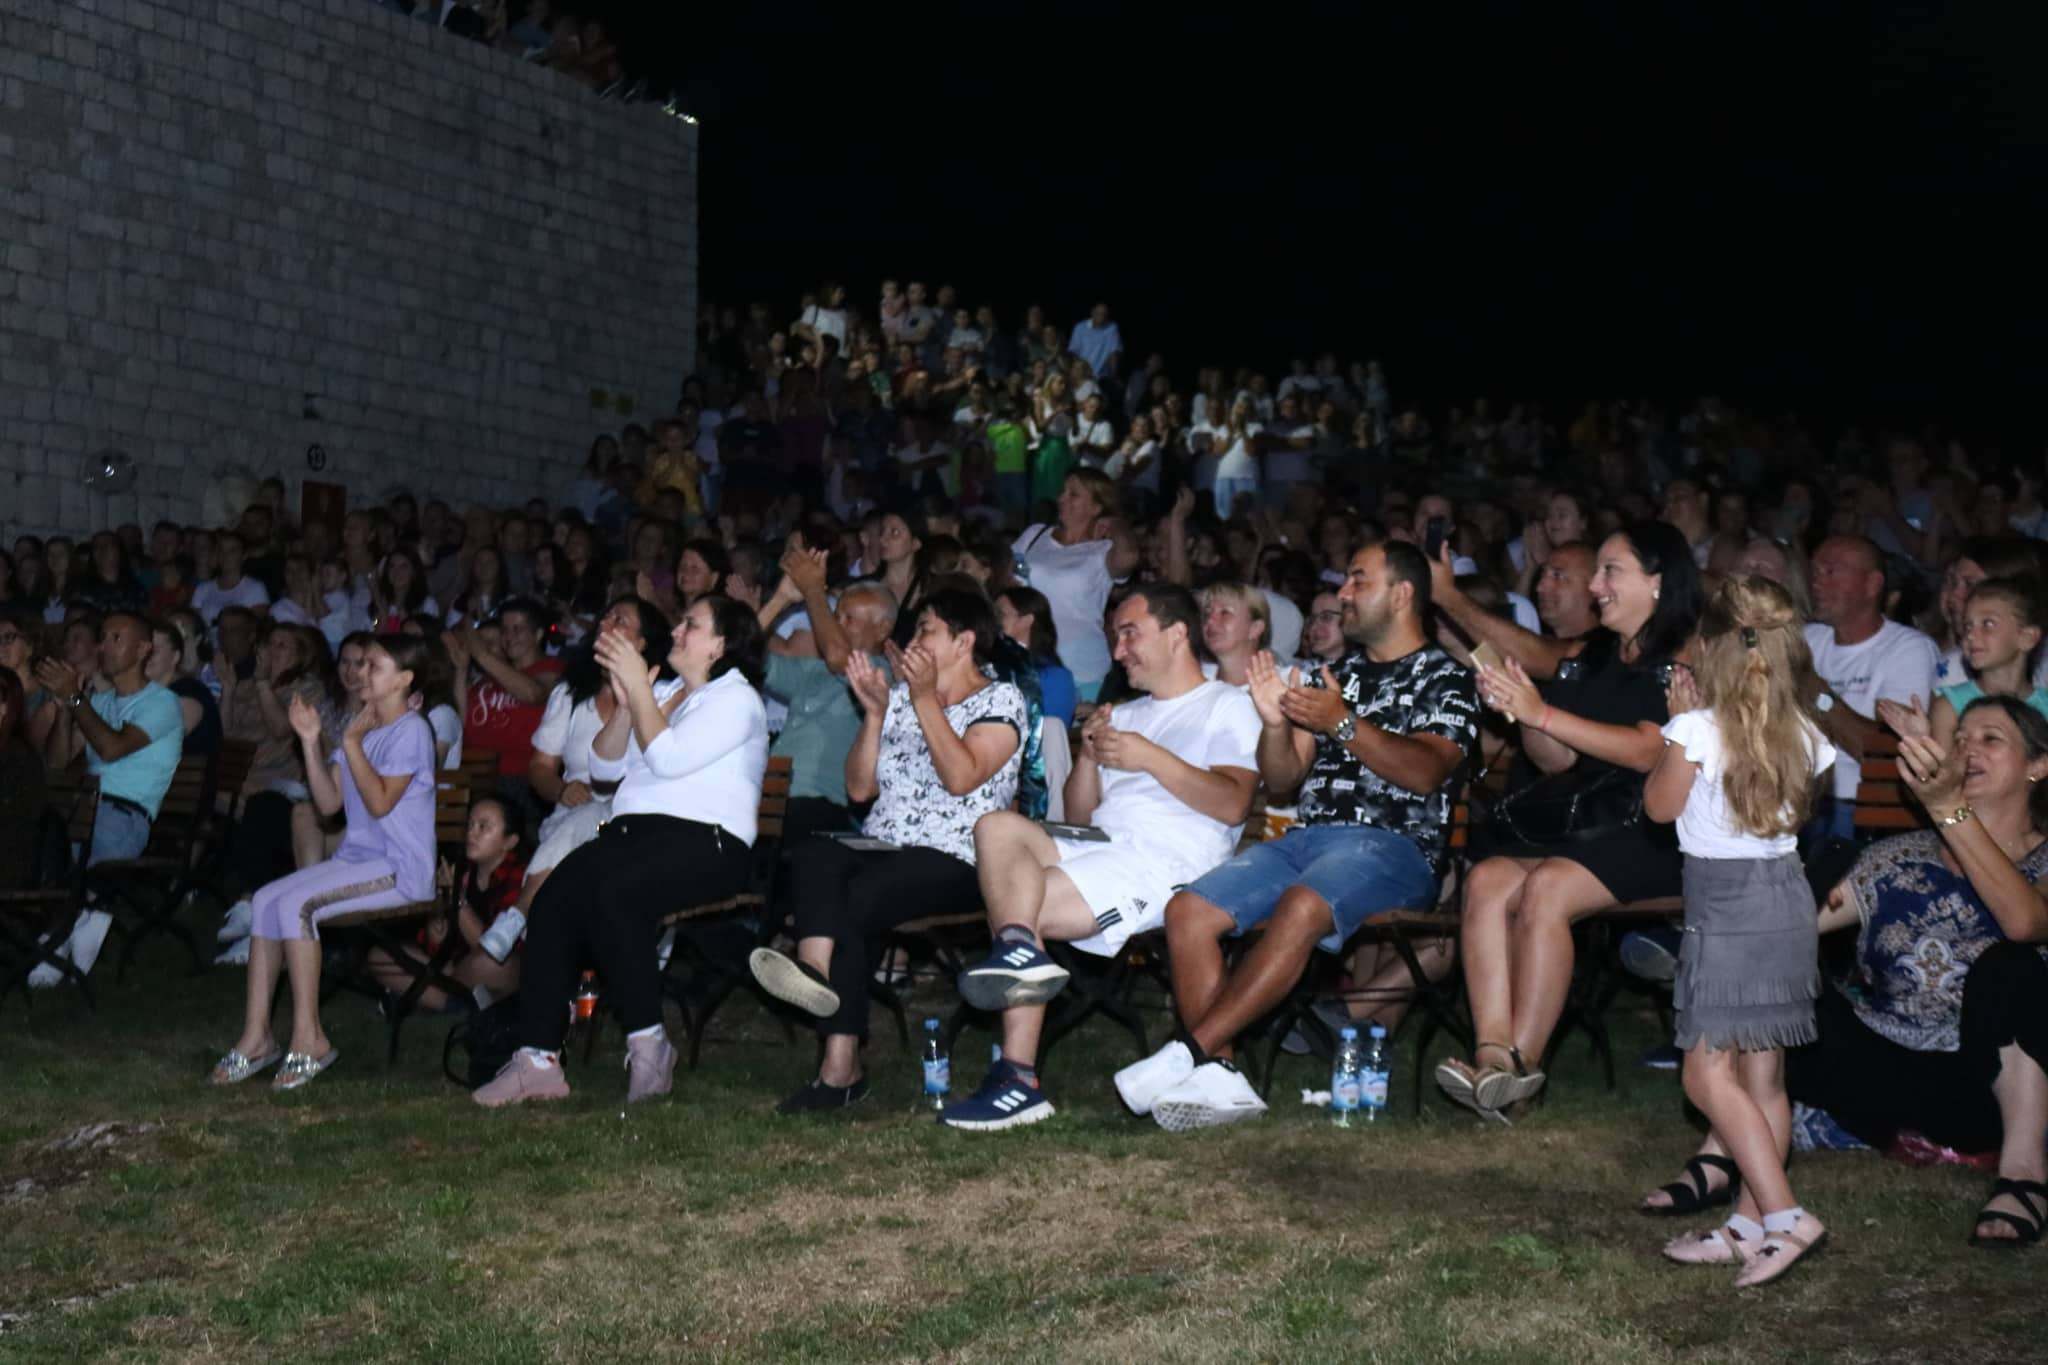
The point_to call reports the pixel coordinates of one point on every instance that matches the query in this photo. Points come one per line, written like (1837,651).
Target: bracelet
(1542,721)
(1956,817)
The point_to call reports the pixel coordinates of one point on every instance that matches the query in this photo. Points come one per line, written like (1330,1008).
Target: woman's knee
(1555,893)
(998,831)
(1490,885)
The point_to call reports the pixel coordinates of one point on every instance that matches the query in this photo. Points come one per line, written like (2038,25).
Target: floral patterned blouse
(912,807)
(1923,928)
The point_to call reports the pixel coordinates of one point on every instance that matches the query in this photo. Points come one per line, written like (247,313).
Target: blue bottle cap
(931,1026)
(1379,1030)
(1348,1034)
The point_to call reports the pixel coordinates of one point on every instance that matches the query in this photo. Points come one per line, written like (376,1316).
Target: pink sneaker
(650,1067)
(522,1079)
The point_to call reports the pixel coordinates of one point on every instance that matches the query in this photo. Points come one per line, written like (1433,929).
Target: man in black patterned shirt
(1375,743)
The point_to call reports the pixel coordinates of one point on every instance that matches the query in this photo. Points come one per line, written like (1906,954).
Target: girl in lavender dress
(382,776)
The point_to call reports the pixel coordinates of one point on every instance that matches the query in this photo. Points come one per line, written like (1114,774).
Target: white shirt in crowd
(1896,664)
(1706,827)
(566,728)
(210,599)
(826,322)
(1088,436)
(446,723)
(1286,464)
(1283,630)
(1210,726)
(1075,580)
(707,766)
(1146,456)
(1238,462)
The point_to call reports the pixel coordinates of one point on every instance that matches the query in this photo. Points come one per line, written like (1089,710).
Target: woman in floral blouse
(935,753)
(1942,1028)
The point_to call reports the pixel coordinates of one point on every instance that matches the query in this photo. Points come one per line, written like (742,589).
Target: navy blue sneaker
(1014,974)
(1665,1057)
(1002,1102)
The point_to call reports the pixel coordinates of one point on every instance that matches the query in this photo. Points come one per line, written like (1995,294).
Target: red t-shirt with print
(497,720)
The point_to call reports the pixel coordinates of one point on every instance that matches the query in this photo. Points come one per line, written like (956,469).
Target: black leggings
(602,907)
(853,898)
(1874,1087)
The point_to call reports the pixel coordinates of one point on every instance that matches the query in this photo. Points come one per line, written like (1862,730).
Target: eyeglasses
(1326,616)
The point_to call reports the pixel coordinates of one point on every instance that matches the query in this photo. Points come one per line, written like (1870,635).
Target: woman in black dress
(1574,842)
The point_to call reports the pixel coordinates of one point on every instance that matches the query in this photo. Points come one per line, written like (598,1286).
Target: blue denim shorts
(1361,871)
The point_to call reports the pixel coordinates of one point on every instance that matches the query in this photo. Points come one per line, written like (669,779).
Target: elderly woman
(1943,1029)
(1574,841)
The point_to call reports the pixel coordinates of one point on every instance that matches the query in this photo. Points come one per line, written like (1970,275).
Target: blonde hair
(1755,673)
(1100,487)
(1248,599)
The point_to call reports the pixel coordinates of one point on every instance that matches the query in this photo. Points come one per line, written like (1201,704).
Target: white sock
(1745,1229)
(1784,1220)
(544,1060)
(641,1035)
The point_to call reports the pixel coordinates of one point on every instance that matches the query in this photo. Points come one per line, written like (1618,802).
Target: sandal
(1779,1252)
(235,1068)
(1716,1246)
(1494,1090)
(1691,1195)
(2027,1225)
(1459,1082)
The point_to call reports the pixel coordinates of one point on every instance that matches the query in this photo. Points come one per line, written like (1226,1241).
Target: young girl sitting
(494,866)
(1737,774)
(382,777)
(2001,629)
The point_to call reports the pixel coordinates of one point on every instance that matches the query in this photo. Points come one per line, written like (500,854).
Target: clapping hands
(1905,721)
(305,720)
(870,685)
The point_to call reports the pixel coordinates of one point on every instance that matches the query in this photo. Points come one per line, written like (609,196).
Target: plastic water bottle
(1373,1097)
(1020,572)
(1346,1079)
(938,1067)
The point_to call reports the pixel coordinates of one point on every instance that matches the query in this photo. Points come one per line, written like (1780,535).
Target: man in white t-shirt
(1863,658)
(1094,440)
(1169,779)
(1287,443)
(229,587)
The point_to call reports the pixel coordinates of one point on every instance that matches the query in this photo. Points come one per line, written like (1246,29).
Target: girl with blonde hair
(1737,774)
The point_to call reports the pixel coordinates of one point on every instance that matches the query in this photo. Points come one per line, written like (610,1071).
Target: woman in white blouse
(935,753)
(688,755)
(1073,561)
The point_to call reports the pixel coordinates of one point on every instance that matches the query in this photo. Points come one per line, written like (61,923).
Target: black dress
(1638,862)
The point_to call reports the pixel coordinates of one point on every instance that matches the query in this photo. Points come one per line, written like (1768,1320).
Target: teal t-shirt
(145,775)
(1967,691)
(824,720)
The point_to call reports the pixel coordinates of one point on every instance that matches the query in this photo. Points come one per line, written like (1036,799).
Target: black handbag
(1571,807)
(489,1037)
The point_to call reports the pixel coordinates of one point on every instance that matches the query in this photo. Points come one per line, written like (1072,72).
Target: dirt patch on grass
(36,1169)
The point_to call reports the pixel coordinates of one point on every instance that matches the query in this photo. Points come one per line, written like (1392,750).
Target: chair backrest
(451,813)
(774,797)
(186,803)
(479,769)
(1883,804)
(234,758)
(1059,762)
(82,791)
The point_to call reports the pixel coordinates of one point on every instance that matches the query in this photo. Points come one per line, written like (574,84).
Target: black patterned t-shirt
(1426,692)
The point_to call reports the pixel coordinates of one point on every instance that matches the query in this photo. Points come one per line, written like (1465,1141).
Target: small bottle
(503,935)
(1373,1096)
(938,1067)
(584,1007)
(1345,1079)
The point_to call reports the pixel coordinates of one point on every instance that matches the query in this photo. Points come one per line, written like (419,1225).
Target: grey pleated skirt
(1748,962)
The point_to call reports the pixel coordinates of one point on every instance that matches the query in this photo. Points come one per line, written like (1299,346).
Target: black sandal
(2026,1192)
(1691,1195)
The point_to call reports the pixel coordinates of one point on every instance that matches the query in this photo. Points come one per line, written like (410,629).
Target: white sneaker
(1214,1093)
(1143,1082)
(82,949)
(236,954)
(241,917)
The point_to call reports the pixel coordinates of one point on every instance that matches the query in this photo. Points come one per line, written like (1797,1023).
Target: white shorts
(1125,887)
(566,830)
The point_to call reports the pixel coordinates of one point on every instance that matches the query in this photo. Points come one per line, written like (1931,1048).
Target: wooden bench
(35,921)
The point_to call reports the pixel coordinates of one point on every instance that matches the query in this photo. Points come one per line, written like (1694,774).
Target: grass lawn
(378,1215)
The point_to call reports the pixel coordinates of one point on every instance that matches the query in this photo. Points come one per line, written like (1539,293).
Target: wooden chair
(144,893)
(360,931)
(1884,805)
(35,922)
(712,938)
(479,770)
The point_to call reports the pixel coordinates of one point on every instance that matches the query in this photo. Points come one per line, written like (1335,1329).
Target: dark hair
(1663,552)
(412,653)
(744,641)
(585,677)
(1407,564)
(508,812)
(1045,636)
(12,702)
(415,594)
(163,625)
(713,554)
(1170,604)
(962,610)
(532,608)
(2033,728)
(361,639)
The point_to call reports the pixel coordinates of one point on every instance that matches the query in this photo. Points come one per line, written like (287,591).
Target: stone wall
(233,231)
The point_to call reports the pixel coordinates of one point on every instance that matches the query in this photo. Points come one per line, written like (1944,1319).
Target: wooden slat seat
(35,921)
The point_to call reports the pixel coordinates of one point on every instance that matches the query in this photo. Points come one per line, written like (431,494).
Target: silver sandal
(234,1068)
(300,1068)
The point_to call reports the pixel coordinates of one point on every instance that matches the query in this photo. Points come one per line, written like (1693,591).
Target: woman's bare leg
(1493,897)
(1557,894)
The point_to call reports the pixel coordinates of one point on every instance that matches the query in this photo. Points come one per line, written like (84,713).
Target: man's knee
(1302,913)
(1191,918)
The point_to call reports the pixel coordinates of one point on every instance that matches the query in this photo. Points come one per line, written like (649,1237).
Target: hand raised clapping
(870,685)
(1904,720)
(305,719)
(1269,686)
(1507,689)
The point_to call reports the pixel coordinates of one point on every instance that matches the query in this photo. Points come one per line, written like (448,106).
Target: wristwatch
(1345,728)
(78,699)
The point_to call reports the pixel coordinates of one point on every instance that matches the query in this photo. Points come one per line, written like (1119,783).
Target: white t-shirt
(287,612)
(1210,726)
(1896,664)
(565,731)
(1146,477)
(827,322)
(1706,827)
(1283,632)
(1287,464)
(446,724)
(209,599)
(1075,580)
(1238,462)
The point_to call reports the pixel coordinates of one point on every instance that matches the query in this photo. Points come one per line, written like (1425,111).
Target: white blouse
(707,766)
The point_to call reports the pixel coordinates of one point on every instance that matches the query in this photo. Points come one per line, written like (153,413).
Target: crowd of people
(1040,630)
(567,38)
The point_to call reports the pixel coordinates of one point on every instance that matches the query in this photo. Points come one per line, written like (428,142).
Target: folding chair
(739,919)
(35,922)
(363,930)
(144,893)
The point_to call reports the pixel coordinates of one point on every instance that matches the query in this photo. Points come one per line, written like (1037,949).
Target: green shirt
(824,720)
(1009,444)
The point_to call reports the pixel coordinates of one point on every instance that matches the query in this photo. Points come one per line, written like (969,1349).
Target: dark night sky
(1834,208)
